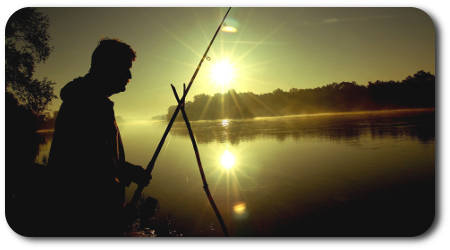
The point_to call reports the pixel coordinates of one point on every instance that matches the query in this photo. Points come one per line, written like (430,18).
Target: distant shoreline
(316,114)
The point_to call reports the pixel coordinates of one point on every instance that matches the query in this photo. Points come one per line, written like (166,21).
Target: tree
(416,91)
(420,89)
(27,43)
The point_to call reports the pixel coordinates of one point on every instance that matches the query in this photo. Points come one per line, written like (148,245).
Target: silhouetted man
(87,161)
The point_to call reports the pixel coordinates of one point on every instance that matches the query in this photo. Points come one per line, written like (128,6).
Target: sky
(290,47)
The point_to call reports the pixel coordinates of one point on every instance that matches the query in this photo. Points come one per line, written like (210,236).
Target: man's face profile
(118,77)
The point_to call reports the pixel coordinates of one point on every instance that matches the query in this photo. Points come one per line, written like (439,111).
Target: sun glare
(227,159)
(222,72)
(225,123)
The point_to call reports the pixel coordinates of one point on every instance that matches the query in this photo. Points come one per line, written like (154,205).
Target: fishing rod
(199,163)
(151,164)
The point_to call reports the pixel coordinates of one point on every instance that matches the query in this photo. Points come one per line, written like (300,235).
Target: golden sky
(265,48)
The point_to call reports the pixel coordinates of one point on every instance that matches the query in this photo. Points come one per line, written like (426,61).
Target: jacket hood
(81,88)
(76,89)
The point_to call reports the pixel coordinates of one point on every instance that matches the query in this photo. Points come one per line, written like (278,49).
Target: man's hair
(111,52)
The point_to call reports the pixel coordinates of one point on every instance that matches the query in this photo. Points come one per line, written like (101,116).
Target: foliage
(414,92)
(27,43)
(20,136)
(26,99)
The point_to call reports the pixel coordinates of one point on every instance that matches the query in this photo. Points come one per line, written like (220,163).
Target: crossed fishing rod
(181,105)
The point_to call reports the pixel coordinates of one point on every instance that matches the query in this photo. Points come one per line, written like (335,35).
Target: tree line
(416,91)
(27,43)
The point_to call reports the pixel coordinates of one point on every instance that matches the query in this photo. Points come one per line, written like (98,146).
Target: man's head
(112,60)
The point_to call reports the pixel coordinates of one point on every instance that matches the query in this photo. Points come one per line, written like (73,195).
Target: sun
(222,72)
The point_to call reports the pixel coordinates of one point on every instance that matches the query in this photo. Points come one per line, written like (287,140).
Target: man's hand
(144,178)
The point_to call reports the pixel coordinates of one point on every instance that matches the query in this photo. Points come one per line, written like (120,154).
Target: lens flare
(240,211)
(239,208)
(229,29)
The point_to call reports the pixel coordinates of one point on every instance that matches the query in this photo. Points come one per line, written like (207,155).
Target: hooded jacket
(87,163)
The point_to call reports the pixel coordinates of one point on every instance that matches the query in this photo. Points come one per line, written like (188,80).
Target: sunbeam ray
(190,65)
(237,104)
(174,36)
(205,108)
(241,32)
(260,42)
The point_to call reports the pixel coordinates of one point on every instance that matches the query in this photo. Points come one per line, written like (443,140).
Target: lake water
(348,174)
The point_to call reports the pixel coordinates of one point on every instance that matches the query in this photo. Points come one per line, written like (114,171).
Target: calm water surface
(351,174)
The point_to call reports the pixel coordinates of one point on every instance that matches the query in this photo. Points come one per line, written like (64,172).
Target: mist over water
(345,174)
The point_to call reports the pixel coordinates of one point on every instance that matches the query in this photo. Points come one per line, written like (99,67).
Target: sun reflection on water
(225,123)
(231,175)
(227,159)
